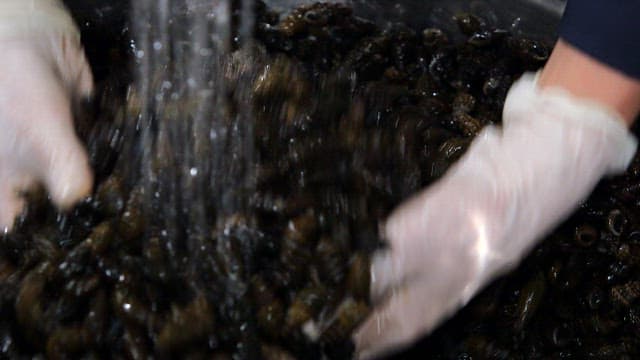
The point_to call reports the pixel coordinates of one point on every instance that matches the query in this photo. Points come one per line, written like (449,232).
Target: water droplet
(166,85)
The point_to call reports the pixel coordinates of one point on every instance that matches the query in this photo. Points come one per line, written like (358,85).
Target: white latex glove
(510,189)
(42,69)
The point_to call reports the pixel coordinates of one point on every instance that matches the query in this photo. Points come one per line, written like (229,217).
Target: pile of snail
(350,119)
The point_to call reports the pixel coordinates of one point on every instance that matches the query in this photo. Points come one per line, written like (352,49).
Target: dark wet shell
(347,317)
(315,15)
(453,148)
(65,342)
(271,352)
(29,307)
(331,260)
(129,307)
(271,311)
(305,306)
(186,325)
(270,318)
(359,277)
(110,197)
(625,294)
(628,252)
(616,222)
(302,230)
(132,222)
(599,323)
(586,235)
(493,37)
(529,300)
(433,37)
(469,23)
(530,51)
(101,238)
(134,343)
(468,125)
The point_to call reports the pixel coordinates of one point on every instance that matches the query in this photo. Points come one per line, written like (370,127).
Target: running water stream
(196,141)
(194,150)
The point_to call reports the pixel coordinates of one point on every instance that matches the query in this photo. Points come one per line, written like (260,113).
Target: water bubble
(205,52)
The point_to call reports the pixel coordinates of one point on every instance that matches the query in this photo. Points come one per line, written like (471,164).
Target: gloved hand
(513,186)
(42,69)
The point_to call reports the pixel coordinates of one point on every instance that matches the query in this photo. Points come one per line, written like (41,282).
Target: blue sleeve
(608,30)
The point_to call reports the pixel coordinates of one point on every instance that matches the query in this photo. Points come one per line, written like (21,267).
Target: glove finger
(412,232)
(58,158)
(69,178)
(85,84)
(403,259)
(403,318)
(10,207)
(386,274)
(73,67)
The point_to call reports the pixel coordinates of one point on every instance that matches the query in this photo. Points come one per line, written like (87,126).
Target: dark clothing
(608,30)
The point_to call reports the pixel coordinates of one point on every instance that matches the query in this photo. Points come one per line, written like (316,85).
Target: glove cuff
(575,113)
(21,18)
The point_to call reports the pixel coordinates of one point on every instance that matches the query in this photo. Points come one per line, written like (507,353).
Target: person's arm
(585,77)
(562,132)
(599,55)
(513,185)
(42,68)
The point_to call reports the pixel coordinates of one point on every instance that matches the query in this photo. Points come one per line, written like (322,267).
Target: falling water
(196,133)
(193,157)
